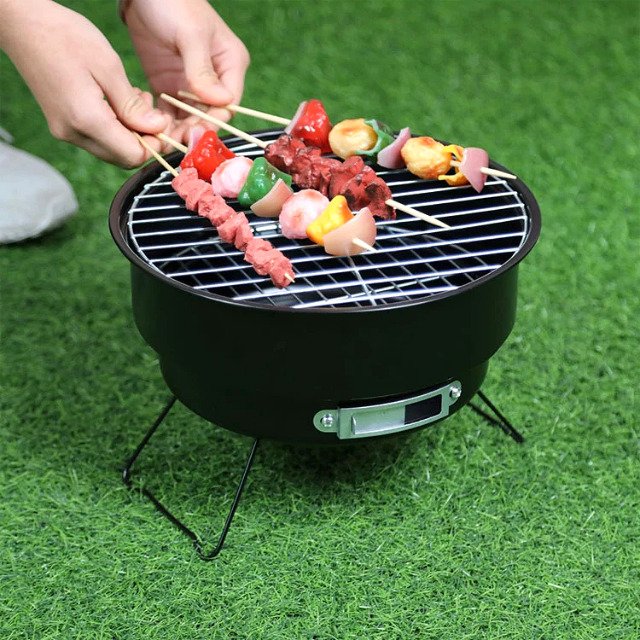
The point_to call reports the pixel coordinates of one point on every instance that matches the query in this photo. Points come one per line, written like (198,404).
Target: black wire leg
(197,543)
(498,419)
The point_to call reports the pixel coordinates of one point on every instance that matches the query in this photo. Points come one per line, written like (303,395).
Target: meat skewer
(469,167)
(272,204)
(232,227)
(389,202)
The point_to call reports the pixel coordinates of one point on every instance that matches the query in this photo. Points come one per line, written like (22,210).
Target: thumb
(201,76)
(133,108)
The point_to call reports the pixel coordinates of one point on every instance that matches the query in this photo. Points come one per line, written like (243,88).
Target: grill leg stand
(498,419)
(197,543)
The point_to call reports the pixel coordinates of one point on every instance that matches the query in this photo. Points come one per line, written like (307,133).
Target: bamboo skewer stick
(270,117)
(172,141)
(416,214)
(363,245)
(213,120)
(488,171)
(156,155)
(249,138)
(169,168)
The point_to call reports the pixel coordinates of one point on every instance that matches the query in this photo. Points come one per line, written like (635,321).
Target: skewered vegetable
(350,137)
(207,154)
(260,180)
(425,157)
(384,137)
(270,205)
(352,237)
(335,215)
(311,124)
(390,157)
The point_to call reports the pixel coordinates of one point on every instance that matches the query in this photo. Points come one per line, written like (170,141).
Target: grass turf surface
(452,532)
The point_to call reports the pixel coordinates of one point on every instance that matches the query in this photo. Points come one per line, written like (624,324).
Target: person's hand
(71,68)
(185,44)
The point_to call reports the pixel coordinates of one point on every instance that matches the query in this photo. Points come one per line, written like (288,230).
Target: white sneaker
(34,197)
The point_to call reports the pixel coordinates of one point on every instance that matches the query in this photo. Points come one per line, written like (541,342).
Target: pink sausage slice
(473,160)
(270,205)
(300,211)
(230,176)
(339,242)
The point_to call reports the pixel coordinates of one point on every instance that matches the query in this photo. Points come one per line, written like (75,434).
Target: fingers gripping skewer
(155,154)
(213,120)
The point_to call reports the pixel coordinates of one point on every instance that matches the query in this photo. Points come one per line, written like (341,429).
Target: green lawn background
(452,532)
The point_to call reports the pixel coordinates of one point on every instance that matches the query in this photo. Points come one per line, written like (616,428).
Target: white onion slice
(194,136)
(390,157)
(473,160)
(270,205)
(362,226)
(296,117)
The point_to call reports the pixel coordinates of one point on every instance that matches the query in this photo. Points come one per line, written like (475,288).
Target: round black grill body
(357,347)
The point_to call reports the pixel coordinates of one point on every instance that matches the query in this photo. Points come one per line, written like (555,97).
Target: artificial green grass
(452,532)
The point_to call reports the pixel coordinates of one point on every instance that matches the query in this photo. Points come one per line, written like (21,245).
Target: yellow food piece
(350,136)
(455,179)
(335,215)
(425,157)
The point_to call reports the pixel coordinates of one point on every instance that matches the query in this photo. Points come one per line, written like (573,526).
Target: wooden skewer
(209,118)
(239,109)
(356,241)
(172,141)
(363,244)
(488,171)
(264,145)
(277,119)
(416,214)
(169,168)
(156,155)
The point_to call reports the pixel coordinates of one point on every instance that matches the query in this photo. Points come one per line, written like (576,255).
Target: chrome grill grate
(414,260)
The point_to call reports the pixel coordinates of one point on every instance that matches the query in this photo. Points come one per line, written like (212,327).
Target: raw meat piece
(195,191)
(280,152)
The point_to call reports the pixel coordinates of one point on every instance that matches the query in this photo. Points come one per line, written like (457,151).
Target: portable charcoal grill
(358,347)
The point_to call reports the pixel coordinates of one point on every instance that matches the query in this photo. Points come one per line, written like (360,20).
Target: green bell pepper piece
(385,137)
(260,179)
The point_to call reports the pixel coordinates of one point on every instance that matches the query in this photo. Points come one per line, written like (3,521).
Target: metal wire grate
(414,260)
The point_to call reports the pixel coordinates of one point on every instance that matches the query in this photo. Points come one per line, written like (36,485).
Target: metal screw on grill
(327,421)
(455,392)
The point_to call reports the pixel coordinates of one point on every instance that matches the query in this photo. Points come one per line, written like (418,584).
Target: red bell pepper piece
(208,153)
(312,125)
